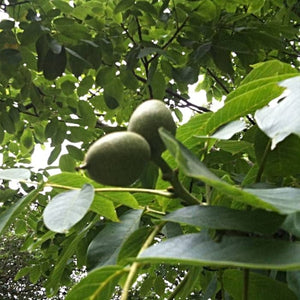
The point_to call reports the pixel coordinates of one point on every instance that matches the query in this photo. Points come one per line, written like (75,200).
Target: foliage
(228,226)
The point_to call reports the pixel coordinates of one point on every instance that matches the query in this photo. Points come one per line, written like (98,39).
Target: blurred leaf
(84,86)
(68,208)
(9,215)
(260,287)
(123,198)
(54,154)
(228,130)
(123,5)
(67,163)
(86,112)
(54,64)
(7,122)
(99,284)
(133,244)
(293,281)
(105,247)
(186,74)
(283,160)
(75,152)
(27,139)
(15,174)
(292,224)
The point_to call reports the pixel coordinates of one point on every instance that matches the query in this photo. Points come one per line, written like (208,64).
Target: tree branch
(219,82)
(171,39)
(198,109)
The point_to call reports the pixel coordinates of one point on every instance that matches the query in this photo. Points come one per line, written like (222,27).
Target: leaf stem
(134,267)
(163,193)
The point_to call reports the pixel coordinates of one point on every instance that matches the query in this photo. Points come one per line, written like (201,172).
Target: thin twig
(172,176)
(219,82)
(134,267)
(199,109)
(171,39)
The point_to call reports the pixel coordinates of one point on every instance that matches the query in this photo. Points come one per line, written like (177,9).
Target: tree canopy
(217,215)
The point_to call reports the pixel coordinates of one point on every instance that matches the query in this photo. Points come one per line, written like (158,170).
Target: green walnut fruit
(117,159)
(147,119)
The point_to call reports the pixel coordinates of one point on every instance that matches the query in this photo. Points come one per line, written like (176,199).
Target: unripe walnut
(147,119)
(117,159)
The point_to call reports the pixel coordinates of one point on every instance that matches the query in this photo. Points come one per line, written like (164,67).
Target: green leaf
(244,102)
(133,244)
(54,154)
(74,180)
(224,218)
(54,64)
(68,87)
(105,247)
(123,5)
(102,205)
(67,209)
(71,243)
(15,174)
(63,6)
(8,216)
(293,281)
(158,85)
(227,131)
(236,146)
(104,208)
(7,122)
(190,282)
(123,198)
(27,139)
(192,167)
(86,112)
(292,224)
(188,74)
(113,93)
(75,152)
(222,59)
(284,199)
(71,29)
(98,284)
(260,287)
(22,272)
(10,57)
(7,24)
(231,251)
(67,163)
(35,273)
(84,86)
(268,69)
(281,118)
(283,160)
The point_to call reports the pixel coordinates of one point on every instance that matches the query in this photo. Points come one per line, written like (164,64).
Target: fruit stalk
(172,176)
